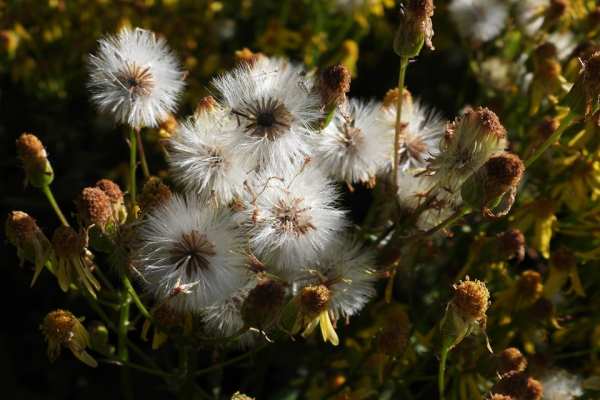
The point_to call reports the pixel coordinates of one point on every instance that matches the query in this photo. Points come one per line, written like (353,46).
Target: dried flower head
(416,28)
(355,146)
(273,107)
(314,299)
(31,243)
(561,385)
(334,83)
(63,329)
(189,256)
(32,154)
(511,359)
(135,77)
(470,141)
(519,385)
(94,208)
(262,306)
(471,299)
(154,193)
(117,201)
(72,261)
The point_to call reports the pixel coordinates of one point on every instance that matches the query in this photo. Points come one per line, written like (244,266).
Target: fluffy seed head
(471,299)
(274,108)
(291,215)
(189,256)
(135,77)
(355,146)
(561,385)
(511,359)
(154,193)
(94,207)
(479,20)
(334,83)
(314,299)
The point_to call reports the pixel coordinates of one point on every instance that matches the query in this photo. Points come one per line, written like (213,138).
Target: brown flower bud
(471,299)
(334,83)
(263,304)
(33,155)
(115,195)
(206,105)
(154,194)
(586,89)
(416,28)
(247,56)
(519,385)
(62,329)
(67,242)
(314,300)
(530,285)
(31,243)
(94,207)
(511,359)
(512,244)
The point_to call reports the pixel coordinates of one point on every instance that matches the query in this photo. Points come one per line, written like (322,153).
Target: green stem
(122,352)
(140,144)
(401,77)
(132,169)
(329,117)
(134,296)
(48,192)
(564,124)
(442,370)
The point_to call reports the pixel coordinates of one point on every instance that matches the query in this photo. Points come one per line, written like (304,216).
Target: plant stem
(329,117)
(132,169)
(442,370)
(48,192)
(448,221)
(127,284)
(401,76)
(564,124)
(122,352)
(140,144)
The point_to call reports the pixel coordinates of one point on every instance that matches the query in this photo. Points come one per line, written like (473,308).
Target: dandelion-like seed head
(355,146)
(274,108)
(204,159)
(291,215)
(135,77)
(559,384)
(479,20)
(189,256)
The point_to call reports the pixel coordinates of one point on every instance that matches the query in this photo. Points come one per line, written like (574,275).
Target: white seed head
(355,145)
(203,159)
(421,135)
(135,77)
(190,256)
(561,385)
(479,20)
(274,108)
(346,269)
(291,215)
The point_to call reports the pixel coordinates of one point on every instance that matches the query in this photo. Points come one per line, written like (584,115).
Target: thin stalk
(448,221)
(122,351)
(442,370)
(48,192)
(140,143)
(401,76)
(151,371)
(564,124)
(134,296)
(329,117)
(132,169)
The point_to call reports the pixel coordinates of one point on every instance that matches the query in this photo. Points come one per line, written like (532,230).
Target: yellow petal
(327,329)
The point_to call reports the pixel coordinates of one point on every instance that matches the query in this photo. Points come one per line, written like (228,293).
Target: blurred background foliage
(43,50)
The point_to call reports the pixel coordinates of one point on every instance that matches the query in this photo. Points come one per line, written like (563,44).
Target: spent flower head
(63,329)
